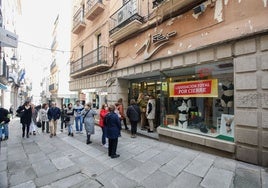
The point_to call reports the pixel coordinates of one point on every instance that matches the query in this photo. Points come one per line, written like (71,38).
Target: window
(200,100)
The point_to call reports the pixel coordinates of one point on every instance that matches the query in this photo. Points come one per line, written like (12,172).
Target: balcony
(94,61)
(52,87)
(167,7)
(53,65)
(94,8)
(125,21)
(78,21)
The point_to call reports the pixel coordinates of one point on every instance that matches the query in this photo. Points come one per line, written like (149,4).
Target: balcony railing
(78,21)
(53,64)
(128,13)
(94,8)
(96,60)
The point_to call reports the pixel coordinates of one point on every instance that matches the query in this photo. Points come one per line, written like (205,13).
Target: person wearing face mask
(103,113)
(88,119)
(25,113)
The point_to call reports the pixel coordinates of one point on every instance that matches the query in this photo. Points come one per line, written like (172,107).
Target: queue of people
(110,119)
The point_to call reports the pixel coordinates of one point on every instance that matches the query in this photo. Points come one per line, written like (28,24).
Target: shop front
(200,100)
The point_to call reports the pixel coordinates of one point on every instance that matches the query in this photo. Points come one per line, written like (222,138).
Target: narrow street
(63,161)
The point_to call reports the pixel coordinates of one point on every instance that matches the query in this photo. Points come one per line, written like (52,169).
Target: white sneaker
(106,145)
(81,132)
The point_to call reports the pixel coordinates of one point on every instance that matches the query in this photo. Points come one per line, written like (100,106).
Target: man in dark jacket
(53,115)
(25,113)
(4,120)
(113,127)
(134,116)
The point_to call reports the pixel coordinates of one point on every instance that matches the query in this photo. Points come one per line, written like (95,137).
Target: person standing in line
(62,117)
(25,112)
(122,113)
(69,119)
(150,113)
(53,115)
(113,127)
(11,111)
(43,117)
(142,104)
(78,108)
(34,120)
(88,118)
(4,120)
(134,116)
(103,113)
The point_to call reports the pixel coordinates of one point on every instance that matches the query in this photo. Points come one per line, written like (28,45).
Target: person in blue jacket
(53,115)
(113,128)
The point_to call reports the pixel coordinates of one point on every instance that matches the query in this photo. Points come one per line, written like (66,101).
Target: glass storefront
(198,99)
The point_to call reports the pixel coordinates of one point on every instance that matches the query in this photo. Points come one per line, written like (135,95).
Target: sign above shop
(8,39)
(200,88)
(159,40)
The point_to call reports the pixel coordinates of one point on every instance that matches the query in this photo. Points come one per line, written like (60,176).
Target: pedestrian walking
(150,113)
(4,120)
(103,113)
(53,115)
(113,127)
(88,118)
(122,113)
(25,113)
(62,117)
(34,120)
(78,108)
(69,119)
(134,116)
(43,117)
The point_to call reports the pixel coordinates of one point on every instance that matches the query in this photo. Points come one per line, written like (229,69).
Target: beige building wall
(236,31)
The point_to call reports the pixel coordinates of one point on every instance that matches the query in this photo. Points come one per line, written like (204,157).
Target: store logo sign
(159,40)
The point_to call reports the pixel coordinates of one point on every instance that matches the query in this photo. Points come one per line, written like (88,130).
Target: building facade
(204,61)
(58,86)
(10,70)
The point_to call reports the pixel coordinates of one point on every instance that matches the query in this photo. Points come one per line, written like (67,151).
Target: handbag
(83,121)
(38,124)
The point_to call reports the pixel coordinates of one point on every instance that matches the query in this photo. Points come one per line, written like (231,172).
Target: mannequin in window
(183,114)
(227,97)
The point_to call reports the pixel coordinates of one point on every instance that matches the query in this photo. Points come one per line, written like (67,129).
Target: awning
(8,39)
(3,86)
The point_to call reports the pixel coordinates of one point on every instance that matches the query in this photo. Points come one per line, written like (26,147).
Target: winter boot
(88,139)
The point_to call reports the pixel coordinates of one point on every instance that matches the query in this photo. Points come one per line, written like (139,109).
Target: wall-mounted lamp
(199,9)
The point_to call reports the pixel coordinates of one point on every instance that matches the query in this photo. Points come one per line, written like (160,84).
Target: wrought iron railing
(91,3)
(93,58)
(127,13)
(78,17)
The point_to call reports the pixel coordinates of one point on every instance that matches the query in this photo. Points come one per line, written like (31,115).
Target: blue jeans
(103,138)
(6,130)
(70,128)
(78,119)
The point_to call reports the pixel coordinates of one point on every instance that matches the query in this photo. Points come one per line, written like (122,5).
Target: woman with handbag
(88,119)
(69,119)
(43,117)
(134,116)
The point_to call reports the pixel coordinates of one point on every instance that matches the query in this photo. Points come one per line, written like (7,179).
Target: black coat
(4,115)
(25,115)
(134,113)
(113,125)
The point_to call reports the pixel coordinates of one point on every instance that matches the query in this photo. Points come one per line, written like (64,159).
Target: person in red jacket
(103,112)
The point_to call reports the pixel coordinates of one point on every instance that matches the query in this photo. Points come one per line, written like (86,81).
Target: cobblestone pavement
(64,161)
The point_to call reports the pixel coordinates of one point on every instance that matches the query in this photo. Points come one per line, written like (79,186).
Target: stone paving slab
(64,161)
(185,180)
(199,166)
(218,178)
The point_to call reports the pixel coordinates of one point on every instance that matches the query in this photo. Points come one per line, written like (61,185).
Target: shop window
(200,100)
